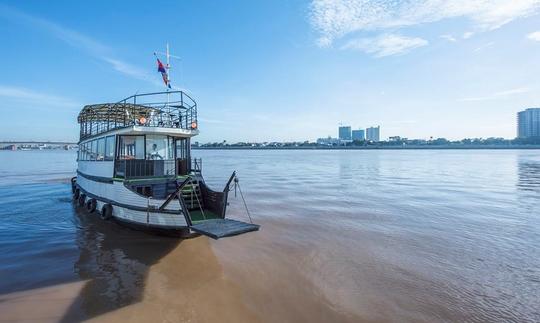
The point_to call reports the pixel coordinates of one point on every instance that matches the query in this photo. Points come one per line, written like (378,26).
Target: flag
(163,72)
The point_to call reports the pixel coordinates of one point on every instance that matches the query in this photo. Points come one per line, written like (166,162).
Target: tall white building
(528,123)
(373,133)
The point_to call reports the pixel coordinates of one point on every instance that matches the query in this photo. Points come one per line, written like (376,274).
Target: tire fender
(91,205)
(82,199)
(106,211)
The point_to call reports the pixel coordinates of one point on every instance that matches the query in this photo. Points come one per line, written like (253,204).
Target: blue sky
(277,70)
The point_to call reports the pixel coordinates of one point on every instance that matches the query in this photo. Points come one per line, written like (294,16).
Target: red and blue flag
(163,71)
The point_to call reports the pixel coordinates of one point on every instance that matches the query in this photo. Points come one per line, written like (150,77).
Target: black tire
(73,186)
(76,194)
(91,205)
(82,199)
(106,211)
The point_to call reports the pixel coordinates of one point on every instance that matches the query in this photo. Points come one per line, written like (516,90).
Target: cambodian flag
(163,72)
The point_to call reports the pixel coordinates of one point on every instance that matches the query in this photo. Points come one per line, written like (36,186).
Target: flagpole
(168,74)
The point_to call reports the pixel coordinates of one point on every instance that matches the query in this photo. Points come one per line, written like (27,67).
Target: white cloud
(385,45)
(479,48)
(128,69)
(215,121)
(448,37)
(78,40)
(513,91)
(468,34)
(33,97)
(534,36)
(334,19)
(498,95)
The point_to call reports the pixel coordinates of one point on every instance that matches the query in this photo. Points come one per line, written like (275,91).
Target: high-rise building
(373,133)
(345,133)
(528,123)
(358,135)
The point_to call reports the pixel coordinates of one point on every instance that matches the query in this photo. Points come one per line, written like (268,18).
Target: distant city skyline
(528,123)
(451,69)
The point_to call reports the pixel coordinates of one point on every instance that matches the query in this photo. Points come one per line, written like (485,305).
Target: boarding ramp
(220,228)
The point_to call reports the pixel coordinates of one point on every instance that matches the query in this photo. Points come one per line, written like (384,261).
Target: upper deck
(173,109)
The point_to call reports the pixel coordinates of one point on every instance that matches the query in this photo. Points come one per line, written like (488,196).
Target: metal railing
(172,109)
(196,165)
(140,168)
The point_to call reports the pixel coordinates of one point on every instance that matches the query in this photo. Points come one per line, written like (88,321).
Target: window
(93,150)
(109,148)
(131,147)
(100,149)
(82,151)
(87,151)
(158,147)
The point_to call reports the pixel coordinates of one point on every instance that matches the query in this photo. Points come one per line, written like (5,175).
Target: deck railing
(140,168)
(196,165)
(173,109)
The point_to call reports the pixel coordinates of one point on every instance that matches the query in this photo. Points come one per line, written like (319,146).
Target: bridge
(15,145)
(37,143)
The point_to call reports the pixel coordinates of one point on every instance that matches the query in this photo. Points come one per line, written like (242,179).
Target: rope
(243,200)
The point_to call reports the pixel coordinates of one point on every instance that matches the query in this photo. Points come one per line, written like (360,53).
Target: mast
(168,74)
(168,57)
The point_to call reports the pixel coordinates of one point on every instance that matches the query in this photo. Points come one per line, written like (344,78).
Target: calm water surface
(440,235)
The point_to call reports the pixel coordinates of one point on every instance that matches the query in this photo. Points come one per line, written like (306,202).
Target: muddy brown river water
(346,236)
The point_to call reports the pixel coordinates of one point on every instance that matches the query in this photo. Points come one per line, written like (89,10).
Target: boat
(134,166)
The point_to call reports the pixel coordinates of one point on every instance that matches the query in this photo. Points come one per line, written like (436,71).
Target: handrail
(233,176)
(179,110)
(175,193)
(156,93)
(196,165)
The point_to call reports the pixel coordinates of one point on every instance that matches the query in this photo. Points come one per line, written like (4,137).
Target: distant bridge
(55,143)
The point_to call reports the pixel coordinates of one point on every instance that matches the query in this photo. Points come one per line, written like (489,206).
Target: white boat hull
(131,207)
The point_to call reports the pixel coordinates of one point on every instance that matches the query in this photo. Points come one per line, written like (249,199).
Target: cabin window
(87,151)
(131,147)
(93,150)
(100,149)
(109,148)
(159,147)
(82,151)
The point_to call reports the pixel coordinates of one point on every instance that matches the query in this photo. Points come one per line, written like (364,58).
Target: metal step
(220,228)
(192,195)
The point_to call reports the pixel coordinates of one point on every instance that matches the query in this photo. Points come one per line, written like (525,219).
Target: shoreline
(479,147)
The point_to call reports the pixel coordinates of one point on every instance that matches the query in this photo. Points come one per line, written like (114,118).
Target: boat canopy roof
(115,112)
(172,109)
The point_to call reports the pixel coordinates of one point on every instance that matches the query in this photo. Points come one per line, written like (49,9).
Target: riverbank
(372,147)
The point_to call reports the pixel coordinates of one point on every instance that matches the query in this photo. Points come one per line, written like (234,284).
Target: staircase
(192,195)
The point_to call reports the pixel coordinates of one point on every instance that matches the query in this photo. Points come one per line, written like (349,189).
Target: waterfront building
(10,147)
(358,135)
(373,133)
(528,123)
(328,141)
(345,133)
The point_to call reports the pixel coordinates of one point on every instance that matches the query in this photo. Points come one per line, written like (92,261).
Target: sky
(276,70)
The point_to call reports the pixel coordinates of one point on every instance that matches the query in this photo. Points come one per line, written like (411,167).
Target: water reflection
(528,175)
(115,262)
